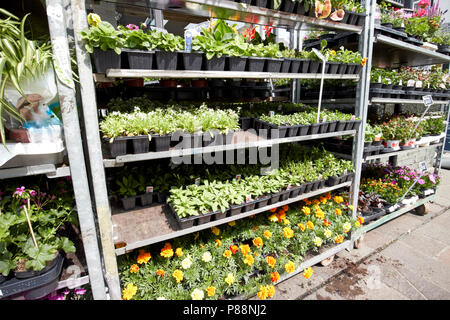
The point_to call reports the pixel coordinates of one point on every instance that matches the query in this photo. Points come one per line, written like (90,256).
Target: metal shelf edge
(179,233)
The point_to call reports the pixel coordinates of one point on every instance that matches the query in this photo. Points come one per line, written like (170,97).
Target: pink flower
(19,191)
(432,178)
(132,26)
(32,193)
(420,13)
(421,181)
(423,3)
(80,291)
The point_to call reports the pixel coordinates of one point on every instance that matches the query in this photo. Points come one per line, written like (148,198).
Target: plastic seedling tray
(236,63)
(104,60)
(314,128)
(166,60)
(139,59)
(192,60)
(215,64)
(262,202)
(141,144)
(146,199)
(286,65)
(273,65)
(256,64)
(275,198)
(324,127)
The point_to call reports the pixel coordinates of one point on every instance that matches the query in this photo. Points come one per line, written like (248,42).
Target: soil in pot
(21,272)
(166,60)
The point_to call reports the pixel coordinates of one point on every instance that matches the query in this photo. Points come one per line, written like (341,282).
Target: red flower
(267,30)
(249,33)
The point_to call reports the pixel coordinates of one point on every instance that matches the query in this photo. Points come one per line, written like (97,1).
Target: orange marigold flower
(249,260)
(281,216)
(167,251)
(290,267)
(143,256)
(316,201)
(310,225)
(271,261)
(234,249)
(215,230)
(245,249)
(326,223)
(308,273)
(258,242)
(364,61)
(323,200)
(338,211)
(160,272)
(288,233)
(211,291)
(267,234)
(134,268)
(306,210)
(273,209)
(274,276)
(338,199)
(339,239)
(301,226)
(328,196)
(227,254)
(361,219)
(218,243)
(320,214)
(285,207)
(270,291)
(262,293)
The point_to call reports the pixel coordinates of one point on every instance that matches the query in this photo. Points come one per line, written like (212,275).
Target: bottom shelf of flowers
(244,257)
(384,185)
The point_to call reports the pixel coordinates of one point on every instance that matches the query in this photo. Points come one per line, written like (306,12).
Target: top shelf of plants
(411,38)
(284,13)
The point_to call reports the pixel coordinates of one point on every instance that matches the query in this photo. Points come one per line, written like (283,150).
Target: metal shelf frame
(97,164)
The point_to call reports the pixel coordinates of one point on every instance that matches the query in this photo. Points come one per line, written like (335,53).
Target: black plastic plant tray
(16,286)
(390,33)
(373,214)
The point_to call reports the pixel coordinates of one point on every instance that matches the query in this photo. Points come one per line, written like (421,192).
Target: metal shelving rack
(388,52)
(109,225)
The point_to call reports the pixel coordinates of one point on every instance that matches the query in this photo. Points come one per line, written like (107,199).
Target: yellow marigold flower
(232,223)
(274,276)
(333,52)
(310,225)
(290,267)
(229,279)
(350,207)
(258,242)
(134,268)
(301,226)
(179,252)
(318,241)
(143,257)
(323,200)
(357,224)
(267,234)
(227,254)
(273,218)
(288,233)
(320,214)
(308,273)
(211,291)
(339,239)
(286,222)
(327,233)
(270,291)
(167,251)
(271,261)
(129,291)
(197,294)
(263,293)
(245,249)
(338,199)
(249,260)
(346,227)
(361,219)
(93,19)
(215,230)
(178,275)
(160,272)
(218,243)
(338,211)
(306,210)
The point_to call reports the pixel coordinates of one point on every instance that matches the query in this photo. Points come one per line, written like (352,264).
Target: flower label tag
(197,181)
(324,118)
(353,117)
(428,192)
(288,187)
(271,113)
(419,84)
(238,177)
(279,107)
(148,189)
(248,198)
(188,40)
(423,166)
(320,177)
(427,100)
(411,83)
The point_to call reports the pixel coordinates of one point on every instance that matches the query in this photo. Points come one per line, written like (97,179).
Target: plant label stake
(324,61)
(29,225)
(428,102)
(423,169)
(272,89)
(149,189)
(197,181)
(238,177)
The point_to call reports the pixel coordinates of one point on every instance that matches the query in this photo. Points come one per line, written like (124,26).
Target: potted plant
(127,192)
(167,46)
(138,47)
(104,42)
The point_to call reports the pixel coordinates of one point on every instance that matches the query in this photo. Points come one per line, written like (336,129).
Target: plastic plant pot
(161,142)
(314,128)
(286,65)
(292,131)
(104,60)
(249,206)
(169,83)
(284,195)
(305,66)
(333,67)
(141,144)
(315,185)
(315,67)
(166,60)
(31,273)
(215,64)
(273,65)
(245,123)
(128,203)
(237,63)
(139,59)
(350,125)
(352,19)
(192,60)
(220,215)
(295,65)
(162,196)
(342,68)
(299,8)
(256,64)
(275,198)
(340,126)
(236,209)
(351,67)
(294,192)
(287,6)
(262,202)
(324,127)
(260,3)
(205,218)
(332,126)
(332,181)
(116,148)
(308,187)
(146,199)
(303,130)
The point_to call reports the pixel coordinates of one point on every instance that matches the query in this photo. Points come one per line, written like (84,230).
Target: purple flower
(406,178)
(421,181)
(432,178)
(57,297)
(66,292)
(19,191)
(33,193)
(80,291)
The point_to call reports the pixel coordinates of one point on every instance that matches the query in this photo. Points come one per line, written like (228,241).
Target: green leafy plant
(104,36)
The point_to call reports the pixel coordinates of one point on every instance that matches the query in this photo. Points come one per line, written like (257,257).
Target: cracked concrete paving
(407,258)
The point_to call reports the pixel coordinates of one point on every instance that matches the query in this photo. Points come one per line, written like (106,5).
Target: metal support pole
(72,135)
(95,152)
(362,99)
